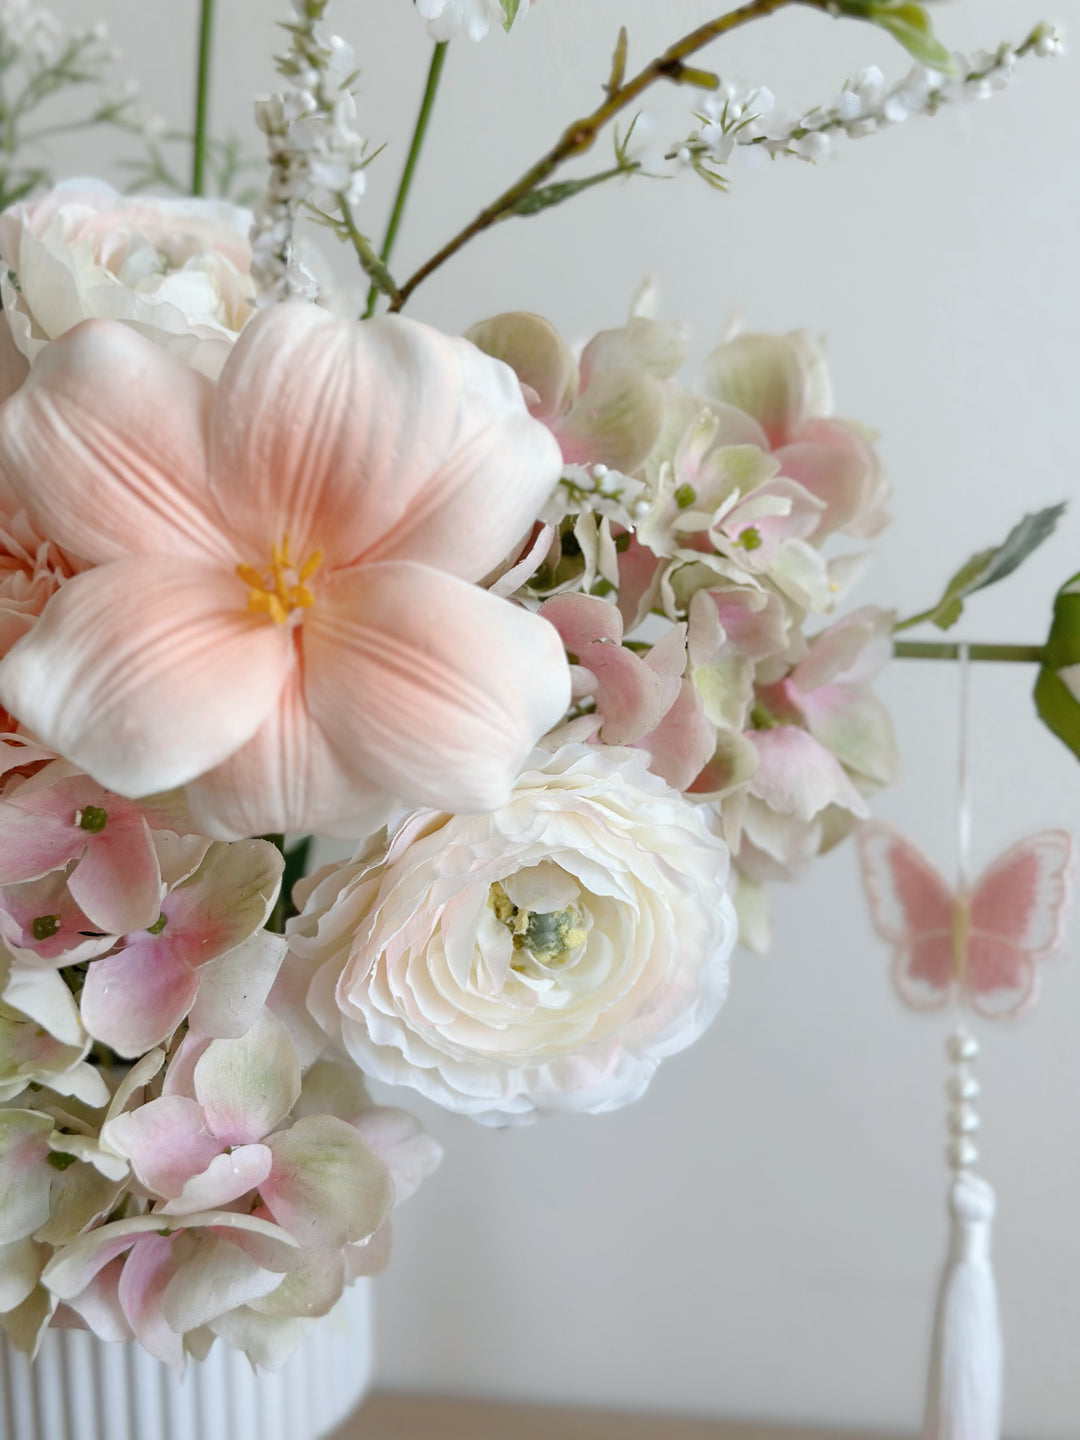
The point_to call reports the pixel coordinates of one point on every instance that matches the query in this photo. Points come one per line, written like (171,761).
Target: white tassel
(964,1394)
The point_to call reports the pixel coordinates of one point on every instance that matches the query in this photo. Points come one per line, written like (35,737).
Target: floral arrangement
(558,636)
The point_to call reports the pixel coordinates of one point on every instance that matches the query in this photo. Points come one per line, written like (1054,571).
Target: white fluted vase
(82,1388)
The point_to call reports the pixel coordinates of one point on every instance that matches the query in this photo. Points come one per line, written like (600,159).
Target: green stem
(423,119)
(202,98)
(581,135)
(950,650)
(373,266)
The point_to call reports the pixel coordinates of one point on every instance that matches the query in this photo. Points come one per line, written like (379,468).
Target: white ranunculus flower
(177,270)
(541,958)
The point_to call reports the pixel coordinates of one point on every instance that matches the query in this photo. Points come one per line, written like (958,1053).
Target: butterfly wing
(1017,918)
(912,909)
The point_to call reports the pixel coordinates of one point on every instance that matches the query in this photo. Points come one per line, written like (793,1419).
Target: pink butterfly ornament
(979,944)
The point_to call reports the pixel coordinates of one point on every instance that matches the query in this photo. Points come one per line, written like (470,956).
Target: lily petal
(435,688)
(106,444)
(288,777)
(94,678)
(384,439)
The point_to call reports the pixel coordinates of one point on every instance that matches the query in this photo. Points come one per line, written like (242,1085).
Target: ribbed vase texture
(80,1388)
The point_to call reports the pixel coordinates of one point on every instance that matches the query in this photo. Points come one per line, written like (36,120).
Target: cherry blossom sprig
(740,117)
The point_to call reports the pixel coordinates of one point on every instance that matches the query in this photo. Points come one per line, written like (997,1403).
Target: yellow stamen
(310,565)
(282,588)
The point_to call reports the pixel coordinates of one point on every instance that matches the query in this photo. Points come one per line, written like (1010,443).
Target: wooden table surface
(393,1417)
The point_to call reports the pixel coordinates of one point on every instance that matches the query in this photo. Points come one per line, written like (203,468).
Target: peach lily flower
(281,612)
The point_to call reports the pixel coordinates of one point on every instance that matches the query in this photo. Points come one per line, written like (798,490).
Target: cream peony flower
(542,958)
(178,271)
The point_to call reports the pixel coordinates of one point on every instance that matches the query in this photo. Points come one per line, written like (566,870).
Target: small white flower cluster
(317,157)
(736,116)
(41,42)
(596,490)
(40,57)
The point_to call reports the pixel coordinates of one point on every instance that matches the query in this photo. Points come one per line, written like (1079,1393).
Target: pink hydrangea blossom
(607,407)
(781,382)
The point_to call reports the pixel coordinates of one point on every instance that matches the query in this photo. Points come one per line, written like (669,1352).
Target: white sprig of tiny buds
(317,156)
(738,117)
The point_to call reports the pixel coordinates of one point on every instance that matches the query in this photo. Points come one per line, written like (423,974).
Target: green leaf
(989,566)
(549,195)
(1058,707)
(510,9)
(907,23)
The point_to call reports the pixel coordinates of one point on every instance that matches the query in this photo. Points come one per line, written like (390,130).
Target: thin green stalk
(423,119)
(200,144)
(950,650)
(581,135)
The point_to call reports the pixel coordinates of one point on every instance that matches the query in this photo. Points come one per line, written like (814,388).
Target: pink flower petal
(581,619)
(248,1085)
(781,380)
(288,777)
(136,998)
(639,583)
(167,1141)
(616,420)
(72,941)
(328,1188)
(683,742)
(216,1277)
(148,1269)
(385,439)
(630,695)
(118,881)
(234,988)
(226,901)
(38,829)
(98,1305)
(839,478)
(224,1180)
(436,689)
(106,444)
(147,672)
(799,777)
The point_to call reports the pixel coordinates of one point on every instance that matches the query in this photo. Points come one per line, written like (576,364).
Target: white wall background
(760,1235)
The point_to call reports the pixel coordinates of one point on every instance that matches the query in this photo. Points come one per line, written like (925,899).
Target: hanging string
(963,1399)
(963,770)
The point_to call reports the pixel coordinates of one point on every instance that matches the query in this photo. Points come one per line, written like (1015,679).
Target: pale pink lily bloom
(282,614)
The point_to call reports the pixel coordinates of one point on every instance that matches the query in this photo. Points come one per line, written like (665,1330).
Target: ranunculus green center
(549,936)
